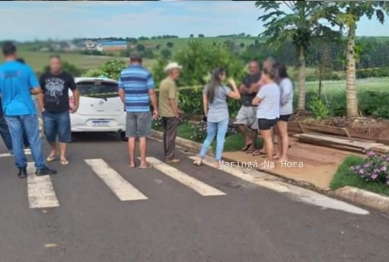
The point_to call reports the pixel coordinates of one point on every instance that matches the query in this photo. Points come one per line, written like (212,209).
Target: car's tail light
(71,102)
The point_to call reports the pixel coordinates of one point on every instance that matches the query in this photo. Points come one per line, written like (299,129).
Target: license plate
(101,123)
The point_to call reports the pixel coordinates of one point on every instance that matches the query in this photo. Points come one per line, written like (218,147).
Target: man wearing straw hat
(169,111)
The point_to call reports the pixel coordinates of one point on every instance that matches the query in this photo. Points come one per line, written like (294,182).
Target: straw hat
(172,66)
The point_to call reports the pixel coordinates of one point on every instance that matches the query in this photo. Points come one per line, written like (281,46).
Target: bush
(198,59)
(319,109)
(373,72)
(110,69)
(200,131)
(375,168)
(166,53)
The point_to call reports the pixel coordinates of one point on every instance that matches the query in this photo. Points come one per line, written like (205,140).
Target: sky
(25,21)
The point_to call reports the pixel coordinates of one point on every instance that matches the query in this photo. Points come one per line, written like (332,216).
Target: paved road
(103,211)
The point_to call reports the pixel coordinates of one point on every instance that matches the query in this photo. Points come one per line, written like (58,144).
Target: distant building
(106,45)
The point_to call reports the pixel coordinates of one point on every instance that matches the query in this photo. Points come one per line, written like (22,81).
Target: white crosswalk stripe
(198,186)
(121,187)
(40,190)
(26,152)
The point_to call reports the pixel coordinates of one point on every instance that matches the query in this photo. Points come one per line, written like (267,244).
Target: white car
(100,107)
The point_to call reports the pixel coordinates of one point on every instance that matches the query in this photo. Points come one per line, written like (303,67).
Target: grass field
(332,87)
(40,59)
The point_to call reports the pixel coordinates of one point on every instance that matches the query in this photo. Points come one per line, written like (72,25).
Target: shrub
(375,168)
(200,131)
(199,58)
(110,69)
(318,109)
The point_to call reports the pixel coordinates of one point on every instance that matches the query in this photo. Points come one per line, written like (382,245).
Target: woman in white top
(286,110)
(268,112)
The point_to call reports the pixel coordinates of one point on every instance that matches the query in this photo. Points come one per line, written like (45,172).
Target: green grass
(38,60)
(233,142)
(344,177)
(332,87)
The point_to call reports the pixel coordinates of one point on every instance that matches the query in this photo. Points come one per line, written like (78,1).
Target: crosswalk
(41,192)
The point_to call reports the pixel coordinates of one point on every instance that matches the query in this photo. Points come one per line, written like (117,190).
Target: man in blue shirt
(136,88)
(17,83)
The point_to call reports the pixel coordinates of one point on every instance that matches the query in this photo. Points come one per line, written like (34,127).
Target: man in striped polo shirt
(136,89)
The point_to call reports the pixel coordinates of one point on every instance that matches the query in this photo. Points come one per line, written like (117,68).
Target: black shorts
(266,124)
(285,118)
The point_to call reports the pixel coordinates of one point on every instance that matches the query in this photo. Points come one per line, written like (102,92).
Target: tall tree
(298,21)
(348,14)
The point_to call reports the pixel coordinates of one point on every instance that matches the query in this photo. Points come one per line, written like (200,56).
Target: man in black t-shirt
(54,105)
(247,114)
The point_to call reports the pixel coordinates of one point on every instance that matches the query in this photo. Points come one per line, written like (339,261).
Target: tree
(110,69)
(242,45)
(347,15)
(201,35)
(199,59)
(140,47)
(169,44)
(300,25)
(191,35)
(166,54)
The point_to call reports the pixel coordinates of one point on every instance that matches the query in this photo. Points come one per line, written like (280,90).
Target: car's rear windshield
(98,89)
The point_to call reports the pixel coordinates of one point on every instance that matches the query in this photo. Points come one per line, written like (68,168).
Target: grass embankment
(344,177)
(234,142)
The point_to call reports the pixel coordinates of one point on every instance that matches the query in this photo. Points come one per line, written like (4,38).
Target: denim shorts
(57,124)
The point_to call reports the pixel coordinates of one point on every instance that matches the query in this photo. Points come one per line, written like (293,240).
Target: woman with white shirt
(268,112)
(286,110)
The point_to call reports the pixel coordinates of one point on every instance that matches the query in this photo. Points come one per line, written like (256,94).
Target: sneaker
(22,173)
(173,161)
(45,171)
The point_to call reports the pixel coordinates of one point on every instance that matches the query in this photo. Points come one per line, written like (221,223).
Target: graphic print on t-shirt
(55,87)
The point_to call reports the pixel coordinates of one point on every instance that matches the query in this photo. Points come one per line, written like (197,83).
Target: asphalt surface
(174,223)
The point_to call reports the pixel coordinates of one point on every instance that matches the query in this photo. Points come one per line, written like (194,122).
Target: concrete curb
(362,197)
(355,195)
(183,143)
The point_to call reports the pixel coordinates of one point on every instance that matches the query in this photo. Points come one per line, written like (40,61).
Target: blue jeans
(219,129)
(57,124)
(29,124)
(5,134)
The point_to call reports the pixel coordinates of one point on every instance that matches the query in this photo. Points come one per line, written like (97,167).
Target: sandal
(51,158)
(197,163)
(148,165)
(64,162)
(250,151)
(246,147)
(258,153)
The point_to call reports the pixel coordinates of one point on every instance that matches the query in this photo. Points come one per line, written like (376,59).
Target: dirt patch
(368,127)
(310,164)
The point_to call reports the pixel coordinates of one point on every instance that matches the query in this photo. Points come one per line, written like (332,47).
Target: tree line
(306,22)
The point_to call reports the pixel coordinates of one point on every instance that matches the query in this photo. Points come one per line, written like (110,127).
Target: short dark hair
(55,56)
(9,49)
(20,60)
(136,57)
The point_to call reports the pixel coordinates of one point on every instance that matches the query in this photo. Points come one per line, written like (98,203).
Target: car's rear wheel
(123,136)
